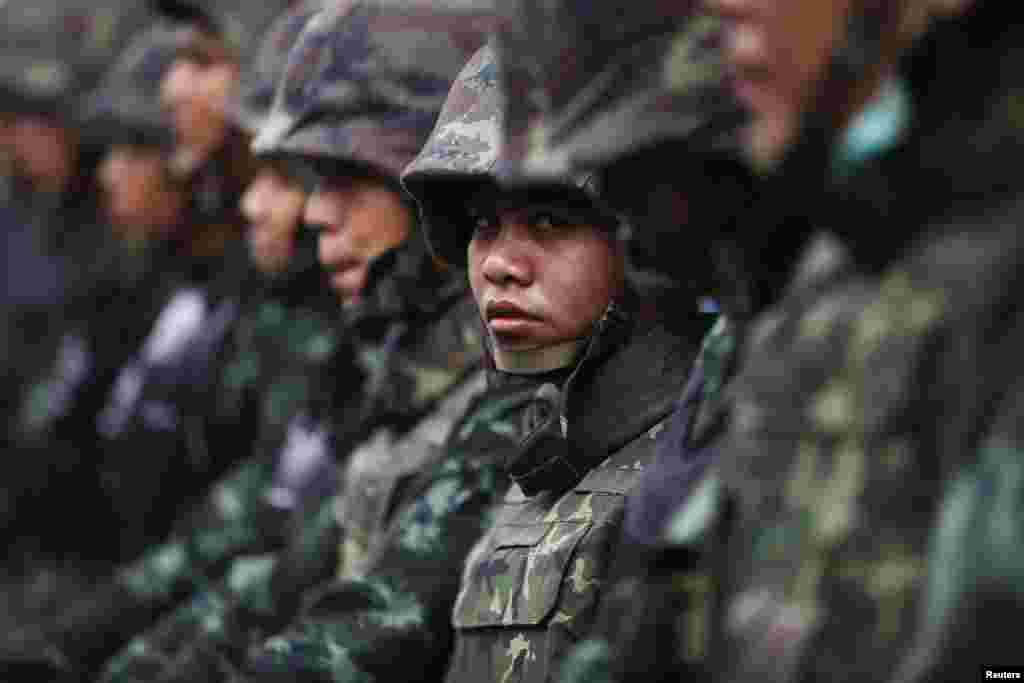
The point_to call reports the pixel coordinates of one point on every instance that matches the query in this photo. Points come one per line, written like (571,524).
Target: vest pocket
(514,577)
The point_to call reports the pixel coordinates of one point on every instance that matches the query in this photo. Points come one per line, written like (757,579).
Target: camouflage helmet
(365,83)
(263,73)
(590,82)
(240,23)
(466,150)
(126,107)
(53,51)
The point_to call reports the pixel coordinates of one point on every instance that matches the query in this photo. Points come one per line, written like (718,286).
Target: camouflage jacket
(530,586)
(868,497)
(416,369)
(267,368)
(644,584)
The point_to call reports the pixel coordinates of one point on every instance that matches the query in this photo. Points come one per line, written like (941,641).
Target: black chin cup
(544,462)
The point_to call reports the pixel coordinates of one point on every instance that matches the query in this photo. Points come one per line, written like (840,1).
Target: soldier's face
(43,151)
(777,51)
(541,276)
(272,204)
(196,90)
(137,190)
(359,220)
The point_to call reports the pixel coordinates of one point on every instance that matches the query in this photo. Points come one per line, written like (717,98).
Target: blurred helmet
(126,106)
(53,51)
(263,73)
(365,83)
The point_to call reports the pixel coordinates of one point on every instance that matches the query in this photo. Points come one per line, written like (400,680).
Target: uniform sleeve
(394,624)
(205,638)
(232,521)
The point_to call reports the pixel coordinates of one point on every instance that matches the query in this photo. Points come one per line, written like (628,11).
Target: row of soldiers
(415,340)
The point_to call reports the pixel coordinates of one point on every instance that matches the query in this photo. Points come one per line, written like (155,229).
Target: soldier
(264,379)
(346,125)
(153,407)
(874,423)
(661,146)
(53,52)
(113,307)
(551,248)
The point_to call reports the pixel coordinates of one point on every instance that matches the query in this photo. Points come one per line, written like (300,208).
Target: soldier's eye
(550,221)
(483,224)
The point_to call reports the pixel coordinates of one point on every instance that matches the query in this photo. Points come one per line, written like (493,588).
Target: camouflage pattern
(530,587)
(464,145)
(126,106)
(365,83)
(651,581)
(578,100)
(56,50)
(467,148)
(873,429)
(407,380)
(263,73)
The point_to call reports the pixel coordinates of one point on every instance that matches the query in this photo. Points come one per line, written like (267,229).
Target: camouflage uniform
(417,346)
(873,429)
(259,386)
(530,585)
(639,76)
(53,52)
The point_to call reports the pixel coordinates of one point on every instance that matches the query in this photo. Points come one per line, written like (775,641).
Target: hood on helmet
(465,151)
(609,78)
(365,83)
(53,51)
(239,23)
(260,77)
(126,107)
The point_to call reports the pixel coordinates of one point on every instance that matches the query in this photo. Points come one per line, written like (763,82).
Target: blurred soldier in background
(550,247)
(865,448)
(53,51)
(153,408)
(346,127)
(53,428)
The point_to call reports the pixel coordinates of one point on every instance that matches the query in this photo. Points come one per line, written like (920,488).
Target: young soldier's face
(137,190)
(542,274)
(358,220)
(272,205)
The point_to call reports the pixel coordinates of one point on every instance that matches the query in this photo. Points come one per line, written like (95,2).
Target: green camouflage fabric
(530,587)
(56,50)
(269,370)
(870,497)
(420,368)
(262,74)
(651,585)
(578,100)
(392,622)
(365,83)
(266,381)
